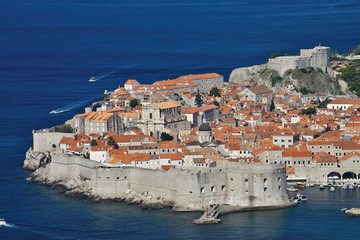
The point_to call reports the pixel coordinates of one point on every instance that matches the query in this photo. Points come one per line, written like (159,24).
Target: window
(282,140)
(212,189)
(202,190)
(223,188)
(150,115)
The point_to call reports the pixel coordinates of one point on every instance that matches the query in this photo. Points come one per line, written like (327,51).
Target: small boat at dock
(321,187)
(292,189)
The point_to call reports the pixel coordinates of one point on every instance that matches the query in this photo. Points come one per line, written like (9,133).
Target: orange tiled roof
(168,104)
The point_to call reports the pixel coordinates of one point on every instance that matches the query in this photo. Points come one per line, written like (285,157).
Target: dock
(210,215)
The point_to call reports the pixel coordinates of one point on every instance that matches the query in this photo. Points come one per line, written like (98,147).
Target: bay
(49,49)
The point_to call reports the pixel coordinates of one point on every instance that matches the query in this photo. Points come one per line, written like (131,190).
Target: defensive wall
(238,184)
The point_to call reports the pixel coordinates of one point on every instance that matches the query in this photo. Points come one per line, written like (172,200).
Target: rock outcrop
(33,159)
(312,80)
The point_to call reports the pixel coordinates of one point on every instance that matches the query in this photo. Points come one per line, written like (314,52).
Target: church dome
(205,127)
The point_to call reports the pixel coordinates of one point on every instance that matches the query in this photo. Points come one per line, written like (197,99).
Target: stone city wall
(244,185)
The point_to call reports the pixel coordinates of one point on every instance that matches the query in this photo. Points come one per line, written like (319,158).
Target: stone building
(317,57)
(258,94)
(157,117)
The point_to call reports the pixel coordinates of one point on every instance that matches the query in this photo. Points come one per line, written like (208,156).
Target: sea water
(50,49)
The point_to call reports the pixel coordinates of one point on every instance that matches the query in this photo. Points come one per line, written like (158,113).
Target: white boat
(2,222)
(53,112)
(292,189)
(321,187)
(309,185)
(351,186)
(92,79)
(332,189)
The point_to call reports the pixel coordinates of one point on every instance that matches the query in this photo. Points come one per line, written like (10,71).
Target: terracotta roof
(199,76)
(290,170)
(130,157)
(168,104)
(345,101)
(172,156)
(349,155)
(130,82)
(169,144)
(260,89)
(323,157)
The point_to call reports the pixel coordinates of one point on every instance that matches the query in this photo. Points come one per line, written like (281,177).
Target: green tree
(111,141)
(272,105)
(93,142)
(308,111)
(133,103)
(304,91)
(64,128)
(215,92)
(274,55)
(356,51)
(166,137)
(351,75)
(198,100)
(324,103)
(216,103)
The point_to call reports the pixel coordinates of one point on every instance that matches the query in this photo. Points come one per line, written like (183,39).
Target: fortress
(235,185)
(317,57)
(238,185)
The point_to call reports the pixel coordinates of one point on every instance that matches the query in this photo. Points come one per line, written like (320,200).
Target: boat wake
(100,77)
(72,106)
(33,231)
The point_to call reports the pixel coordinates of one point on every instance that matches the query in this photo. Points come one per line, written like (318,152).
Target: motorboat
(309,185)
(292,189)
(332,189)
(53,112)
(351,186)
(321,187)
(92,79)
(300,185)
(2,222)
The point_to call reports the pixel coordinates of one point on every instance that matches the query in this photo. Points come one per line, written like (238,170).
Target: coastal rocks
(147,200)
(209,220)
(33,160)
(72,187)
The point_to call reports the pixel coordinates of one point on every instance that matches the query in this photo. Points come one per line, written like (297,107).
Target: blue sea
(48,51)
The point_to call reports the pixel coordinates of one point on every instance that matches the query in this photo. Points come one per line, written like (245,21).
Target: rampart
(236,184)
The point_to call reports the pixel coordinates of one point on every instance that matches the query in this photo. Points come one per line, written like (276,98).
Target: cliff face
(310,80)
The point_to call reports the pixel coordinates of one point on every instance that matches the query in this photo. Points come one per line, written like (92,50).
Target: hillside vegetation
(351,75)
